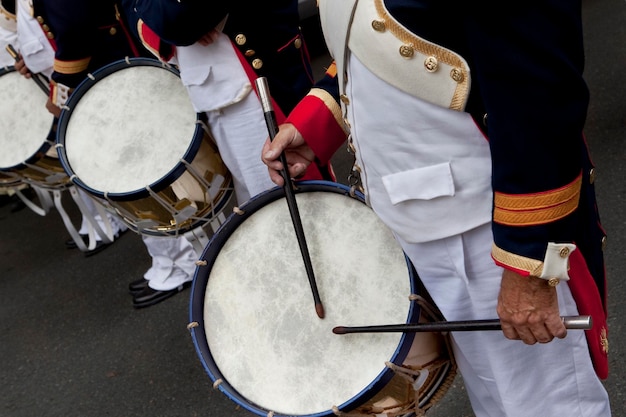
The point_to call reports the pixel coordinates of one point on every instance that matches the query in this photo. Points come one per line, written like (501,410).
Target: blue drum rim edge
(198,289)
(163,182)
(47,143)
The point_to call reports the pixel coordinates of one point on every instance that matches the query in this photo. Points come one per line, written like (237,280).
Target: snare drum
(27,134)
(256,331)
(131,138)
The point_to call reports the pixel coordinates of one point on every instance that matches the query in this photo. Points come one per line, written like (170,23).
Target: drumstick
(571,322)
(11,50)
(272,127)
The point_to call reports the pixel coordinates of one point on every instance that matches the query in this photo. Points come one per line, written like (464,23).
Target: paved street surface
(71,344)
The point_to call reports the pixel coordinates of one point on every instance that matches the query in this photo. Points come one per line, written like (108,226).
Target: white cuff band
(556,262)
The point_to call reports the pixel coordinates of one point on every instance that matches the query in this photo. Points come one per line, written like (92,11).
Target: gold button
(604,242)
(257,63)
(50,35)
(457,75)
(553,282)
(431,64)
(297,43)
(344,99)
(40,19)
(407,51)
(249,52)
(564,252)
(485,117)
(592,176)
(378,25)
(240,39)
(45,27)
(112,31)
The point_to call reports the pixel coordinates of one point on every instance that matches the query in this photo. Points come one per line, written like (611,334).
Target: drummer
(220,48)
(471,150)
(36,56)
(86,36)
(257,38)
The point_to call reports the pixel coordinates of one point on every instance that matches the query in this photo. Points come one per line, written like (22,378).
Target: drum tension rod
(272,128)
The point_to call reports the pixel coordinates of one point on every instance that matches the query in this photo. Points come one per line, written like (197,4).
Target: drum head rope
(439,377)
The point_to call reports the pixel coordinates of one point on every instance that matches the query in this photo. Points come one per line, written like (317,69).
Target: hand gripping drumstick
(571,322)
(11,50)
(272,128)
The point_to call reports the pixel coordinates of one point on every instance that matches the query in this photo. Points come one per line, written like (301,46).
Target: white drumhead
(26,122)
(129,129)
(259,315)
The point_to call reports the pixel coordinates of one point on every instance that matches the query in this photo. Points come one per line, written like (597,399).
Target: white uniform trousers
(505,378)
(117,225)
(173,262)
(219,87)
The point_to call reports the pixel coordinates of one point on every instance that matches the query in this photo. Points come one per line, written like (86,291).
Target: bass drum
(131,138)
(255,327)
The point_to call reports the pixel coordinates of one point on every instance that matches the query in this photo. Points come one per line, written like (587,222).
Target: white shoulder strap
(336,18)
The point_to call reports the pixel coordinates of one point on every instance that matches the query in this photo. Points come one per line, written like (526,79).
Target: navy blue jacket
(86,35)
(529,97)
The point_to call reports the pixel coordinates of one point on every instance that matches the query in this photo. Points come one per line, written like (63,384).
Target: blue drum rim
(198,289)
(47,143)
(66,114)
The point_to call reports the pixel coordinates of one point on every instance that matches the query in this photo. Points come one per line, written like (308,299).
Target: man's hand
(298,154)
(20,66)
(528,309)
(53,108)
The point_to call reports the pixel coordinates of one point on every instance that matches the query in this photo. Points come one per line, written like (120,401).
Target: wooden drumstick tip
(339,330)
(319,309)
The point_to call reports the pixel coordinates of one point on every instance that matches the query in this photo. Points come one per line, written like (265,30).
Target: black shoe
(100,246)
(149,296)
(70,244)
(137,286)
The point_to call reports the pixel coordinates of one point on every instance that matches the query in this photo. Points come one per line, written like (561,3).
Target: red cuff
(319,126)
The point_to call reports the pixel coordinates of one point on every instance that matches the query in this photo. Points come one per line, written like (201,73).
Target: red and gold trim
(520,264)
(152,41)
(325,132)
(71,67)
(536,209)
(589,302)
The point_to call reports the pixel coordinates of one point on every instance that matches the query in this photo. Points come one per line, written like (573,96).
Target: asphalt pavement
(71,344)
